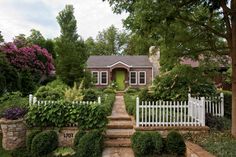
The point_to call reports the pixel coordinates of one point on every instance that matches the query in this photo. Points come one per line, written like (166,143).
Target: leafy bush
(227,103)
(44,143)
(13,99)
(214,122)
(146,143)
(75,93)
(29,139)
(14,113)
(90,145)
(90,95)
(78,136)
(182,79)
(52,91)
(175,143)
(86,116)
(109,91)
(132,90)
(144,95)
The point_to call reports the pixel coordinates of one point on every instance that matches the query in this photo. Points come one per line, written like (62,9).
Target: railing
(177,113)
(34,100)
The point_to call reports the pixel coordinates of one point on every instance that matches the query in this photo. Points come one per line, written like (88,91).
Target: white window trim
(144,78)
(97,76)
(136,77)
(101,78)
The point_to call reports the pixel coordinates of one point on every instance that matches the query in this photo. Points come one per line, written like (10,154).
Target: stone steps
(119,133)
(119,118)
(124,124)
(118,142)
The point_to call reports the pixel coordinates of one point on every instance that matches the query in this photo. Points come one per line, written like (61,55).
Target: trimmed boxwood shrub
(146,143)
(78,136)
(29,139)
(90,145)
(44,143)
(175,143)
(90,95)
(109,91)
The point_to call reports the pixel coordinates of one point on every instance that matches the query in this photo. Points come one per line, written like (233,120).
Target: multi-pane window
(104,78)
(133,77)
(95,77)
(142,77)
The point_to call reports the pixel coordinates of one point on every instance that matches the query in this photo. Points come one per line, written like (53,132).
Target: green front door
(120,79)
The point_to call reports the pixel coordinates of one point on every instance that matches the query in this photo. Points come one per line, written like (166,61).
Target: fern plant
(75,93)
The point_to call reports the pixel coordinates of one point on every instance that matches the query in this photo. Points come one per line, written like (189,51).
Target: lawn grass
(3,153)
(221,144)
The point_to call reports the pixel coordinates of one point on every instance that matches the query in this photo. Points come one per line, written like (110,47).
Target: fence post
(203,111)
(189,106)
(99,100)
(137,112)
(34,100)
(222,104)
(30,99)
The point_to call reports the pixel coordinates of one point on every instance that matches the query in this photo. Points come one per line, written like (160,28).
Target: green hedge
(130,103)
(227,103)
(30,138)
(90,145)
(108,101)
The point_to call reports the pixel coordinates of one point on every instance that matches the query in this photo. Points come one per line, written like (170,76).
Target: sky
(20,16)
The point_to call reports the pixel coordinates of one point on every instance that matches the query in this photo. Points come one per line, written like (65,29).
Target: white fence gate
(177,113)
(34,100)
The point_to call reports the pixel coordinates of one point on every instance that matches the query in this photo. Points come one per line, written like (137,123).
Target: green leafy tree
(186,28)
(110,41)
(70,48)
(1,38)
(37,38)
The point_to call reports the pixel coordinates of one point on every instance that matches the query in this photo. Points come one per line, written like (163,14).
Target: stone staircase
(119,130)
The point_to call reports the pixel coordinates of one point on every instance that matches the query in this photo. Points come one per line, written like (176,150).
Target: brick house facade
(128,71)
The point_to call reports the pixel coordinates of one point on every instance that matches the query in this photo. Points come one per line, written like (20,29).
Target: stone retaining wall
(14,133)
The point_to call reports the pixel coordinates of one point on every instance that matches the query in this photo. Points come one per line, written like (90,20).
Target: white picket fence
(177,113)
(33,100)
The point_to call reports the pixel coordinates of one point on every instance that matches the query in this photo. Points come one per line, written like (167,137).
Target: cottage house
(133,71)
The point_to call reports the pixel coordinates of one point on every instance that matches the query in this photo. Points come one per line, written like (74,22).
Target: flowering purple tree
(31,58)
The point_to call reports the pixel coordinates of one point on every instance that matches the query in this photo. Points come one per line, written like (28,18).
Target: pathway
(119,130)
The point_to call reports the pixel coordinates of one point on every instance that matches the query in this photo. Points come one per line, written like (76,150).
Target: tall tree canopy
(70,48)
(186,28)
(110,41)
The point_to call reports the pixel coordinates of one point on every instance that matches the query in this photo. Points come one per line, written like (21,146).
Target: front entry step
(120,142)
(118,118)
(124,124)
(119,133)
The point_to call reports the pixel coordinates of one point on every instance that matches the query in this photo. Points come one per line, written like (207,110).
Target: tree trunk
(233,55)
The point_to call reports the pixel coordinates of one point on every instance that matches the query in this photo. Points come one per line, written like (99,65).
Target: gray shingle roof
(104,61)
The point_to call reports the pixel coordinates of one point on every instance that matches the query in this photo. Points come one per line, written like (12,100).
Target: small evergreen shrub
(142,144)
(90,145)
(214,122)
(130,103)
(29,139)
(78,136)
(144,95)
(132,90)
(157,142)
(175,143)
(44,143)
(90,95)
